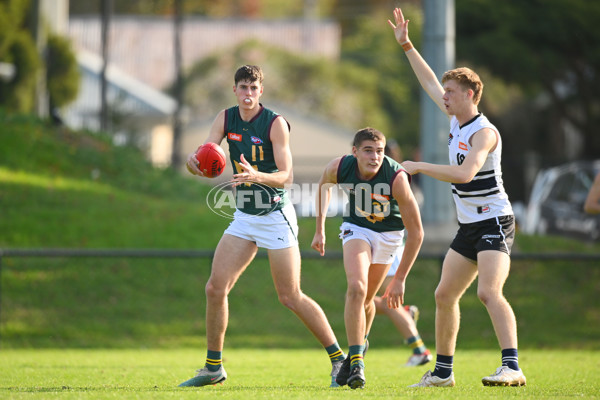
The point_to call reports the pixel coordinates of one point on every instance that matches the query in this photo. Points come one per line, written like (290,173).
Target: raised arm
(424,73)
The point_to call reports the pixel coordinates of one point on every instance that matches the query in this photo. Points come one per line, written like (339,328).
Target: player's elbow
(419,235)
(416,234)
(463,176)
(290,178)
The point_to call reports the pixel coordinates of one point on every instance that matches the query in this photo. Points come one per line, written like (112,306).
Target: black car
(557,198)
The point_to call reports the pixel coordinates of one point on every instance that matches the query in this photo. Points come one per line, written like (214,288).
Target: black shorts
(490,234)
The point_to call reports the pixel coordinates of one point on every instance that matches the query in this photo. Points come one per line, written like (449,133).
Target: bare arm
(409,209)
(424,73)
(280,137)
(592,202)
(482,143)
(322,198)
(215,135)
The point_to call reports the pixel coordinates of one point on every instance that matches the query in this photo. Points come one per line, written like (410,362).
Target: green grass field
(279,374)
(134,328)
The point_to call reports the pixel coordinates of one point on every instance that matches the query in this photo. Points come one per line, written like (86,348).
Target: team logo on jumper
(450,138)
(256,140)
(371,203)
(462,146)
(234,136)
(378,214)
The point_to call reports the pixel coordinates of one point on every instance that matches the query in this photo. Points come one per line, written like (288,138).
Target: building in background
(141,67)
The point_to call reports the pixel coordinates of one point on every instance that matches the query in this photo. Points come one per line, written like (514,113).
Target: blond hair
(466,79)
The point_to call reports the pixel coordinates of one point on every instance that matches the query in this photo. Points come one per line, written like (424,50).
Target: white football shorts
(396,263)
(384,245)
(276,230)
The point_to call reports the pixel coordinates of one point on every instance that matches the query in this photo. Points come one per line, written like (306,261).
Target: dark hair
(367,134)
(250,73)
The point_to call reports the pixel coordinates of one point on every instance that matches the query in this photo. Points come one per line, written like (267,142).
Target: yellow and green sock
(355,352)
(335,353)
(416,344)
(214,360)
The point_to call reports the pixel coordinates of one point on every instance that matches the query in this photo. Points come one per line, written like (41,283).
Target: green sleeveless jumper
(252,139)
(371,204)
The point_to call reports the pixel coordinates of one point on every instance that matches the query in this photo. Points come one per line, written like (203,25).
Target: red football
(211,158)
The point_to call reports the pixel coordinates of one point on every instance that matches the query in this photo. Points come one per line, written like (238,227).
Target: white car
(556,202)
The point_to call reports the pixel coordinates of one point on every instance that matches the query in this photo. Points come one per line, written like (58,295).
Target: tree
(62,72)
(210,8)
(549,48)
(18,48)
(372,46)
(343,92)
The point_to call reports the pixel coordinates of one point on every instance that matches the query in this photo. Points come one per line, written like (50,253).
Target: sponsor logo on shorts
(490,238)
(347,233)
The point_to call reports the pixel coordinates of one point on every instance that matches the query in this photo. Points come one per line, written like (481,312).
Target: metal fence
(182,253)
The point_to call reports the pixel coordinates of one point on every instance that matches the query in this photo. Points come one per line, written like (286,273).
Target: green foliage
(62,73)
(215,9)
(12,16)
(372,46)
(371,85)
(344,92)
(549,49)
(18,93)
(18,48)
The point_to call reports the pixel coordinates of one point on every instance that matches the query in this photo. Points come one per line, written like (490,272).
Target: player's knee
(357,289)
(290,299)
(443,297)
(213,291)
(487,296)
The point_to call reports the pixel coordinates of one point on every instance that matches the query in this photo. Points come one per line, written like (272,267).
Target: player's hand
(193,165)
(412,167)
(248,175)
(318,243)
(400,27)
(394,293)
